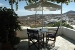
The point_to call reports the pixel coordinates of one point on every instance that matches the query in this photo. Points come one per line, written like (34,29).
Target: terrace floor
(62,43)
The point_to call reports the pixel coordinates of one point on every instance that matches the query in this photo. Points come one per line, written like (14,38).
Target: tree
(11,2)
(8,24)
(55,24)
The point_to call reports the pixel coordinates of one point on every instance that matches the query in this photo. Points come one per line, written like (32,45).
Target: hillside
(70,12)
(30,20)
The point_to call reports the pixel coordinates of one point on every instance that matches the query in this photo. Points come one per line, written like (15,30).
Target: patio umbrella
(46,6)
(40,6)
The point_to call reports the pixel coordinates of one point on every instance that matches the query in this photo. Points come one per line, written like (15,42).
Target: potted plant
(8,25)
(14,41)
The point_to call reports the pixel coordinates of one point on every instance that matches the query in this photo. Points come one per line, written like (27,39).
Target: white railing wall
(70,33)
(23,33)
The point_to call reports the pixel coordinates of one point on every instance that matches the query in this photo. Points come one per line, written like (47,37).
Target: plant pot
(15,47)
(6,46)
(0,46)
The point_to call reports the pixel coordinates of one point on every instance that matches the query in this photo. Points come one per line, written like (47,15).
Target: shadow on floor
(24,46)
(68,39)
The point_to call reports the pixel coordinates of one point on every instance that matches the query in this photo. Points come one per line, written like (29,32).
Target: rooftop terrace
(66,40)
(62,43)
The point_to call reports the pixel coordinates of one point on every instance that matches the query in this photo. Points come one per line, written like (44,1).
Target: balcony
(66,40)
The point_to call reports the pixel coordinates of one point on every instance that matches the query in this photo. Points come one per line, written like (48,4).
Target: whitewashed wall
(23,33)
(70,33)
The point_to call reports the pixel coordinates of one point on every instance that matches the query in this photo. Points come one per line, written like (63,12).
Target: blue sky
(22,12)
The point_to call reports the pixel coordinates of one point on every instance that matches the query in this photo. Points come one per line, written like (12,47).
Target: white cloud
(1,4)
(8,7)
(49,12)
(22,12)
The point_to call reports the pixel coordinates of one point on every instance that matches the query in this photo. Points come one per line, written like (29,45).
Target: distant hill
(70,12)
(29,20)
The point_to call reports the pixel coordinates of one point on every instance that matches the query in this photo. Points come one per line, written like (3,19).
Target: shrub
(8,24)
(58,23)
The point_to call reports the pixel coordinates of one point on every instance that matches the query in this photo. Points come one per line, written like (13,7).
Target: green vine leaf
(34,1)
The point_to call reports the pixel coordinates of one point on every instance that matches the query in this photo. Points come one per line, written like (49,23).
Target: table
(42,31)
(35,35)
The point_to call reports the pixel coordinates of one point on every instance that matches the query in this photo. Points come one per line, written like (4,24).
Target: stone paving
(62,43)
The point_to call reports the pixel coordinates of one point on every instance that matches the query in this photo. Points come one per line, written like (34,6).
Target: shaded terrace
(65,40)
(62,43)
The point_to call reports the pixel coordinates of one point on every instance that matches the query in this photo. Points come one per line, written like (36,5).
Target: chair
(33,36)
(51,36)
